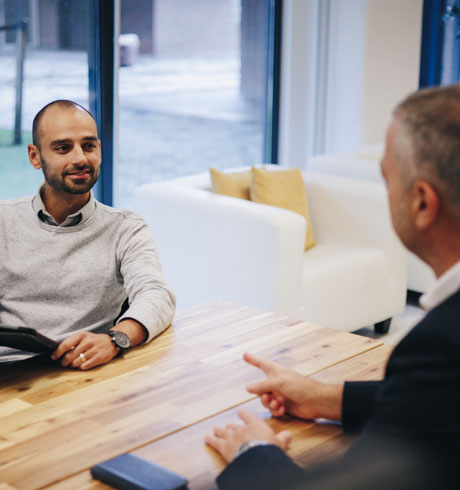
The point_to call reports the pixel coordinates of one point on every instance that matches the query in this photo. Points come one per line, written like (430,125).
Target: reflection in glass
(450,68)
(192,88)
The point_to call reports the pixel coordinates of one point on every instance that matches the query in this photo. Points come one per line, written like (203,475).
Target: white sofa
(219,247)
(364,164)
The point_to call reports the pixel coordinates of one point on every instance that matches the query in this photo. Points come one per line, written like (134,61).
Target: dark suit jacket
(414,412)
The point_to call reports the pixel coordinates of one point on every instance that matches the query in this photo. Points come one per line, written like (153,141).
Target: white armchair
(364,164)
(214,246)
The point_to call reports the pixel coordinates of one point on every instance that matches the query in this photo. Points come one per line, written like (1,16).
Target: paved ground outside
(176,117)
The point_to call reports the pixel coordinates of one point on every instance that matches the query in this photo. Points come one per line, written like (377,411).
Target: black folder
(129,472)
(26,339)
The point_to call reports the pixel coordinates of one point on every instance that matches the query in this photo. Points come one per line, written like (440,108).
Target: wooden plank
(313,443)
(191,372)
(12,406)
(366,366)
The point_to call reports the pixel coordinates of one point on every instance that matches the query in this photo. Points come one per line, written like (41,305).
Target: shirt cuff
(248,445)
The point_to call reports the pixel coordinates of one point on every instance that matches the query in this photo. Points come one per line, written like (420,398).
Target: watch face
(121,339)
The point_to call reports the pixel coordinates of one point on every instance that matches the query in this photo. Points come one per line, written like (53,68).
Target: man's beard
(59,183)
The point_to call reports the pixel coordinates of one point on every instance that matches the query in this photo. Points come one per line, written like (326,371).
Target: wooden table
(161,399)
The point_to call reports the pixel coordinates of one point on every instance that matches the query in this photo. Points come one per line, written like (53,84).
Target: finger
(215,442)
(278,412)
(265,399)
(265,386)
(89,364)
(268,367)
(284,438)
(232,426)
(72,357)
(93,357)
(281,399)
(95,351)
(219,431)
(248,417)
(66,345)
(81,358)
(274,404)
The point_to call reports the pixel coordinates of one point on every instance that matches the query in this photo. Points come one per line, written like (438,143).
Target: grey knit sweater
(62,279)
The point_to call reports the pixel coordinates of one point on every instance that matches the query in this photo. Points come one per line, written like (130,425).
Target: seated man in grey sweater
(68,262)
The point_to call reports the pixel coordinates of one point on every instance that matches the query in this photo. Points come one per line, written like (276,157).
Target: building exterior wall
(137,18)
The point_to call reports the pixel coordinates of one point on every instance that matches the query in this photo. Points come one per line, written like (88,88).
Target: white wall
(341,79)
(391,61)
(346,48)
(298,82)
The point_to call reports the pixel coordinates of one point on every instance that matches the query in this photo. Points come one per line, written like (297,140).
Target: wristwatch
(120,340)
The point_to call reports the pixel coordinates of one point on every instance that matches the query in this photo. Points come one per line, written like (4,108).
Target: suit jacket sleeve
(419,400)
(357,403)
(261,467)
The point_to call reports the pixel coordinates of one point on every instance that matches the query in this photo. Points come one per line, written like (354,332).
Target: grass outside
(17,177)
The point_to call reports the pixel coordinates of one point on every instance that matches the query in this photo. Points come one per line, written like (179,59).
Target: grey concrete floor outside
(175,117)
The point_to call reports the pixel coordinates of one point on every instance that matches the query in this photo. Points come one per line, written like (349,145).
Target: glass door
(43,56)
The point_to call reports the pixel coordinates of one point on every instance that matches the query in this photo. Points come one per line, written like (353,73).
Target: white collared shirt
(72,220)
(445,286)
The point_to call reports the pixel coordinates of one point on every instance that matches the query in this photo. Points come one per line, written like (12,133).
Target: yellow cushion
(234,184)
(284,189)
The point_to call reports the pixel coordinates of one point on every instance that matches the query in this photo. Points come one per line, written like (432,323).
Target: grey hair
(428,141)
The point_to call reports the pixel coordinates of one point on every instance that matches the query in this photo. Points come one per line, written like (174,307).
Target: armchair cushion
(284,189)
(281,188)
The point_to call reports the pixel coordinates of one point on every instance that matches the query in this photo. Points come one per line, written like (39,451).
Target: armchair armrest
(356,213)
(249,253)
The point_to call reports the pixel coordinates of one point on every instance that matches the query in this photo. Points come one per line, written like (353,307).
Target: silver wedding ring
(82,357)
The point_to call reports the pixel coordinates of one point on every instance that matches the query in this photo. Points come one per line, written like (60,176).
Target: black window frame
(101,74)
(432,43)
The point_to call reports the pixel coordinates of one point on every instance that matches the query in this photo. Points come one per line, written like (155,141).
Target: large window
(440,55)
(450,65)
(194,87)
(47,42)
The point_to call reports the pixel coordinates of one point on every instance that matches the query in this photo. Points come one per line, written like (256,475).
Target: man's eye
(89,146)
(62,148)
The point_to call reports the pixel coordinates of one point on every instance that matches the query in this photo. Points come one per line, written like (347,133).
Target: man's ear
(34,156)
(425,204)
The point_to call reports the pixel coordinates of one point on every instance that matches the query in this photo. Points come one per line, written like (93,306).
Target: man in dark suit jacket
(409,422)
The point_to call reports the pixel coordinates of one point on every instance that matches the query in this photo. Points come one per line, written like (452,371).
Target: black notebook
(26,339)
(129,472)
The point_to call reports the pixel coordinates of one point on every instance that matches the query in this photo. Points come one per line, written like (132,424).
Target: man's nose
(78,155)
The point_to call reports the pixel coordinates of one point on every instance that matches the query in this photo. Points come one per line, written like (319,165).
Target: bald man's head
(62,103)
